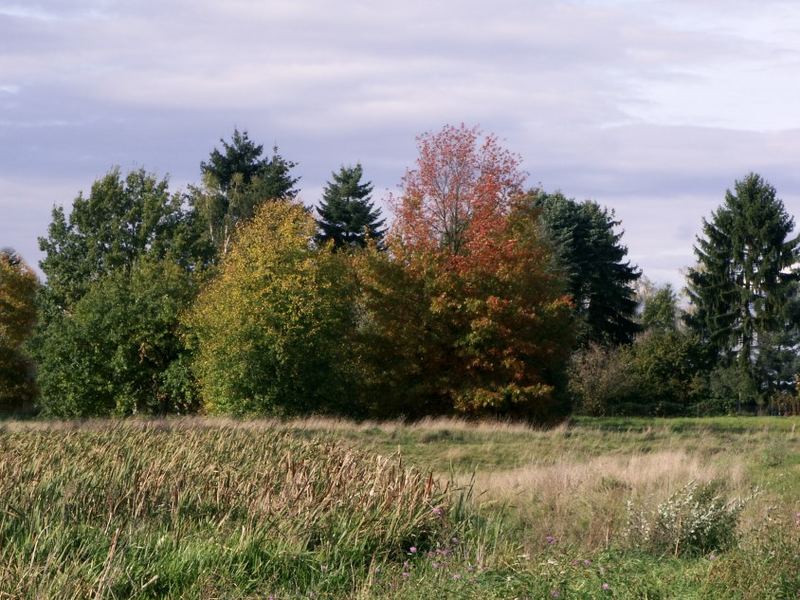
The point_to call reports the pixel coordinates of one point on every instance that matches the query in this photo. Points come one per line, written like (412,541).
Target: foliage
(347,216)
(18,288)
(744,276)
(270,330)
(695,520)
(237,181)
(603,382)
(661,373)
(467,313)
(660,311)
(599,279)
(122,220)
(456,198)
(118,350)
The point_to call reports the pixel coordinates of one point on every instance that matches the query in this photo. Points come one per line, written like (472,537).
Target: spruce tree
(347,215)
(236,181)
(590,252)
(742,285)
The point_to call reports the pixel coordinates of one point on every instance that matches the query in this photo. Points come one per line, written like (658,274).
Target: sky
(651,108)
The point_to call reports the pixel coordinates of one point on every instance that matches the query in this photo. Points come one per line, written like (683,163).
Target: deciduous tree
(467,306)
(270,330)
(18,287)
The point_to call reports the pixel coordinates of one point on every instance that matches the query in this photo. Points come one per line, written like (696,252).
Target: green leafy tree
(119,350)
(348,218)
(660,311)
(237,179)
(270,331)
(743,283)
(123,219)
(18,288)
(591,253)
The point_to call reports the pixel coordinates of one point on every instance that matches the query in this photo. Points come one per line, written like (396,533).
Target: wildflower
(456,576)
(413,550)
(454,540)
(438,511)
(406,573)
(555,594)
(605,587)
(712,556)
(550,539)
(586,562)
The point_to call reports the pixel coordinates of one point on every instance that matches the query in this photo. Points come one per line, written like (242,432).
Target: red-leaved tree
(466,313)
(456,199)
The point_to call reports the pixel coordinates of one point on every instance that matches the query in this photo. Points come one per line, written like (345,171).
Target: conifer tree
(236,180)
(742,285)
(347,215)
(599,279)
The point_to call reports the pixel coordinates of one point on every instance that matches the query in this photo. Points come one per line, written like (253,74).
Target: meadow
(318,508)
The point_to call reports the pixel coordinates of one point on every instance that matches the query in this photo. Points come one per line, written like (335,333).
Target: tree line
(482,297)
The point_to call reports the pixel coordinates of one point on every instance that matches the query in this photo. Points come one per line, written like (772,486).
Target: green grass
(205,508)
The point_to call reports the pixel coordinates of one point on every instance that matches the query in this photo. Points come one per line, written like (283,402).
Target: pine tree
(347,216)
(600,280)
(741,288)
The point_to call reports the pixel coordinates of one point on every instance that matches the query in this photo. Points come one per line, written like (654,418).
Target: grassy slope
(213,508)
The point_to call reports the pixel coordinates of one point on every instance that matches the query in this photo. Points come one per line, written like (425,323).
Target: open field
(213,508)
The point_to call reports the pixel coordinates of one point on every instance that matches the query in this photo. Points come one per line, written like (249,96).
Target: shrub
(693,521)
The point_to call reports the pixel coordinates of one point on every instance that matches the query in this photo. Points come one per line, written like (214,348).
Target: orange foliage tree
(466,313)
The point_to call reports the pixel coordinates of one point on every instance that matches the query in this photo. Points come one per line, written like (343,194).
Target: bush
(603,381)
(660,374)
(695,520)
(270,331)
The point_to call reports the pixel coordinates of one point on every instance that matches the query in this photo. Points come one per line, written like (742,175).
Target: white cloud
(651,107)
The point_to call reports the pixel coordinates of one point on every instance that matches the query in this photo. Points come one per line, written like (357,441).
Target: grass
(320,508)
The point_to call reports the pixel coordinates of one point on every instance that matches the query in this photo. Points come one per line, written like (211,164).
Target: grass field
(205,508)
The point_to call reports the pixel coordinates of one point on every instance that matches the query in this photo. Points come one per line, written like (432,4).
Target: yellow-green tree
(270,330)
(18,286)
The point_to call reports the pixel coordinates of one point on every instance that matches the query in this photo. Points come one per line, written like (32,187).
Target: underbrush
(132,510)
(215,508)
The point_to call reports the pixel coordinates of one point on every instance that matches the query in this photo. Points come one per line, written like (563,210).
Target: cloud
(650,107)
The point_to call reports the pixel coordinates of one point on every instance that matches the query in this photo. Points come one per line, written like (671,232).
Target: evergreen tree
(237,180)
(599,279)
(743,283)
(347,216)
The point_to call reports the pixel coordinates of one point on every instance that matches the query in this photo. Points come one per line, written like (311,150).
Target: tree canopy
(270,330)
(237,180)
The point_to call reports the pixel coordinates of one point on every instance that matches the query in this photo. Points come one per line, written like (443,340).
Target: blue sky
(651,108)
